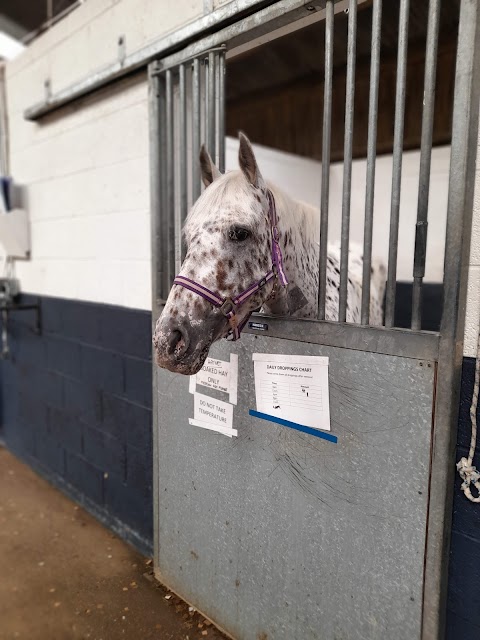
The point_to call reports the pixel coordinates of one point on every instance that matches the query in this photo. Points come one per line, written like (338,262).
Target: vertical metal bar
(347,160)
(156,97)
(169,214)
(397,162)
(217,108)
(182,149)
(211,104)
(196,126)
(457,255)
(326,143)
(156,129)
(49,12)
(425,162)
(221,111)
(371,158)
(204,101)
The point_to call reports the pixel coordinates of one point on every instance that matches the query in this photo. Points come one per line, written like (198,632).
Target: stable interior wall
(85,167)
(301,178)
(76,399)
(85,174)
(77,406)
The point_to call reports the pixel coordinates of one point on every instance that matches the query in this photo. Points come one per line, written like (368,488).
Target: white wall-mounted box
(15,233)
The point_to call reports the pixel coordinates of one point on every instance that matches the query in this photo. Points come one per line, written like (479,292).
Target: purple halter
(229,306)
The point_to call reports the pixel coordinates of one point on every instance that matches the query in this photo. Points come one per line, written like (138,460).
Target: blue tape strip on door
(294,425)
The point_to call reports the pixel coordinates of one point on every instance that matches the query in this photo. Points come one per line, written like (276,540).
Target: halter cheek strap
(229,306)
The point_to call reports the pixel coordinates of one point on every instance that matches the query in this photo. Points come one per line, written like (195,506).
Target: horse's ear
(248,164)
(208,168)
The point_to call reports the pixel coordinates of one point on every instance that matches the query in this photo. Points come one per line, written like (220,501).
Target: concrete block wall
(463,617)
(77,405)
(90,35)
(89,204)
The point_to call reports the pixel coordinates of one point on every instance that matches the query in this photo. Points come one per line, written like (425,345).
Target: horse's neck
(299,233)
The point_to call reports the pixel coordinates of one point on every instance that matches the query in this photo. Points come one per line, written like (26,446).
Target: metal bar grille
(347,163)
(326,141)
(195,113)
(191,109)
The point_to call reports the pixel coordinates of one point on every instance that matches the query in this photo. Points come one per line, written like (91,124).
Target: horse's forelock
(229,192)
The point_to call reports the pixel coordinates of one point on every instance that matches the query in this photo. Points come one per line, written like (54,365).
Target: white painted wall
(472,324)
(88,198)
(301,178)
(87,178)
(86,170)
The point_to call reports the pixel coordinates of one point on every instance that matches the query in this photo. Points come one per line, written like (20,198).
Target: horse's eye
(238,234)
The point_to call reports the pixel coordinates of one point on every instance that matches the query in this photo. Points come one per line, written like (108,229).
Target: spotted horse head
(227,272)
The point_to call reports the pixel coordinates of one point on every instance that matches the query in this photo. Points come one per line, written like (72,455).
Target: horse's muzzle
(179,347)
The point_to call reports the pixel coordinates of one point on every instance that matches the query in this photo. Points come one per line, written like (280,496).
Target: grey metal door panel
(283,534)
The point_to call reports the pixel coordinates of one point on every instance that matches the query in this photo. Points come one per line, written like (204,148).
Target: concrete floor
(65,577)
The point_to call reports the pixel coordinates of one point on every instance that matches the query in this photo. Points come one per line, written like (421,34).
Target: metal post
(196,186)
(182,144)
(425,162)
(397,162)
(49,12)
(217,108)
(168,216)
(204,102)
(156,129)
(457,254)
(221,111)
(326,143)
(156,99)
(347,160)
(371,158)
(211,104)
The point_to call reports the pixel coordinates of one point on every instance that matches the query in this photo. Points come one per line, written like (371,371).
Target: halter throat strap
(229,306)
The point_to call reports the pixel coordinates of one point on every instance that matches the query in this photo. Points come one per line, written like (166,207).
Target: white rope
(467,471)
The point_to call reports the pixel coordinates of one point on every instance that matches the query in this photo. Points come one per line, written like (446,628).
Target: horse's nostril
(177,343)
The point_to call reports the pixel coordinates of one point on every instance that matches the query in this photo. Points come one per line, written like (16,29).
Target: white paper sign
(213,414)
(215,374)
(294,388)
(219,375)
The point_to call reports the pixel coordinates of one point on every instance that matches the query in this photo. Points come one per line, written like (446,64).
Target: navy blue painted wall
(463,619)
(76,404)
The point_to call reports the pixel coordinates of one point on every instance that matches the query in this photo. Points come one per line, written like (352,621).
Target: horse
(249,247)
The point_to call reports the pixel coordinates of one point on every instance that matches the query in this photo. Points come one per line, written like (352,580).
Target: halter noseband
(229,306)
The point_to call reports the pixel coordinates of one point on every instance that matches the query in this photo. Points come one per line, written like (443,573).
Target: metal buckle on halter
(228,307)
